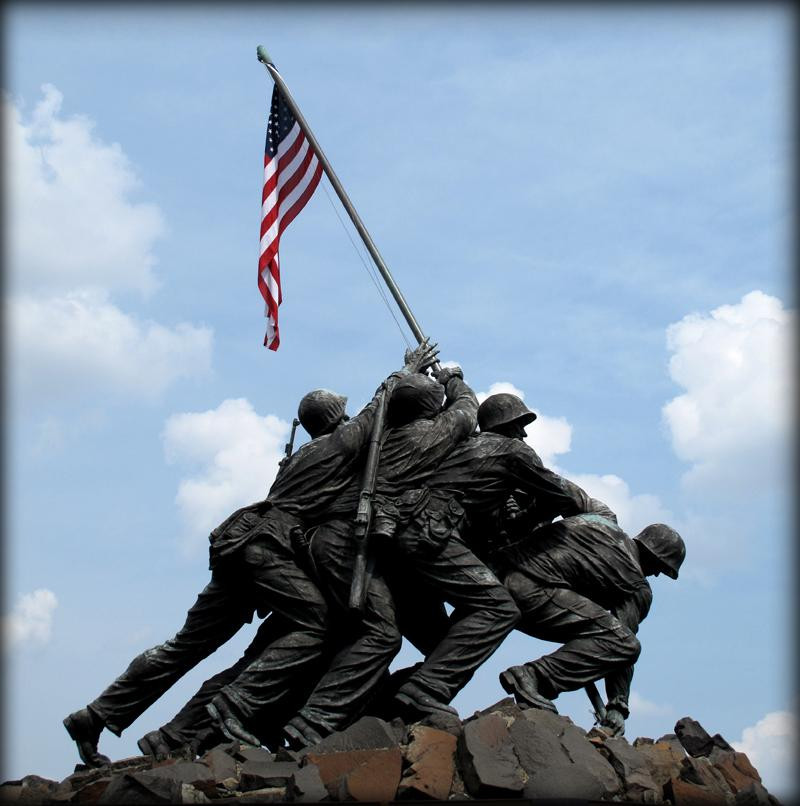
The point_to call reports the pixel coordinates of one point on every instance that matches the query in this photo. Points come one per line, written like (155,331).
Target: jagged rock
(274,794)
(501,752)
(377,779)
(582,753)
(683,793)
(308,786)
(507,707)
(162,784)
(440,720)
(267,775)
(696,740)
(285,754)
(191,795)
(231,784)
(736,767)
(30,789)
(431,758)
(559,760)
(399,729)
(632,768)
(702,772)
(92,792)
(754,795)
(358,774)
(369,733)
(663,758)
(128,789)
(247,753)
(185,772)
(220,762)
(489,765)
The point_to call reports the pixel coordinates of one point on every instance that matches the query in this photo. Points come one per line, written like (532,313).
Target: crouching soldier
(581,582)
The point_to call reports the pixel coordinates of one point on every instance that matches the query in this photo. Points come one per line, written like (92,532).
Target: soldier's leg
(283,587)
(370,644)
(421,615)
(484,614)
(214,618)
(594,642)
(192,725)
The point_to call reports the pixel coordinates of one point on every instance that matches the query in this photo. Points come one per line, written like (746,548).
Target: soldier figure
(581,582)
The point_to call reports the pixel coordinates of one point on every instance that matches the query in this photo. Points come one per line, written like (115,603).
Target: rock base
(500,754)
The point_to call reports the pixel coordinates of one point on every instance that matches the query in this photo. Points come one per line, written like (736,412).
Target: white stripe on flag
(287,203)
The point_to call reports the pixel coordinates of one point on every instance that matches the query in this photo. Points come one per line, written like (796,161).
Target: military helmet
(503,408)
(414,397)
(319,410)
(666,545)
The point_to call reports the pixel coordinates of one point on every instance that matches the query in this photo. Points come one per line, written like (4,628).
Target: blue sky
(589,204)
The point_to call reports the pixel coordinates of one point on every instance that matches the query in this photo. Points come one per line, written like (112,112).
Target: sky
(589,205)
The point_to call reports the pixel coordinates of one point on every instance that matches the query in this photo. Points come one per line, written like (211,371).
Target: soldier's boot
(301,733)
(420,702)
(84,728)
(521,682)
(229,723)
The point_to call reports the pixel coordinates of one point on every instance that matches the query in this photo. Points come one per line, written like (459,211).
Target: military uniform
(578,582)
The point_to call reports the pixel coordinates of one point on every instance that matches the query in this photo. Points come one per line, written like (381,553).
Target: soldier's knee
(506,610)
(316,618)
(635,648)
(629,647)
(388,639)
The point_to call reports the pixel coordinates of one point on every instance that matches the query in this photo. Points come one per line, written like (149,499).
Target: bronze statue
(581,582)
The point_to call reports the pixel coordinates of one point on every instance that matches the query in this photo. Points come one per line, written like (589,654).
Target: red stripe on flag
(288,216)
(285,189)
(283,161)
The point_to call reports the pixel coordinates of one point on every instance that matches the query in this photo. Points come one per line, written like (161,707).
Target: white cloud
(70,219)
(643,707)
(733,421)
(82,341)
(634,512)
(548,436)
(771,746)
(31,620)
(74,238)
(237,451)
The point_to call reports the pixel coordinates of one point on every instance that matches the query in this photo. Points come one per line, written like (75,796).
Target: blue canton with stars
(280,123)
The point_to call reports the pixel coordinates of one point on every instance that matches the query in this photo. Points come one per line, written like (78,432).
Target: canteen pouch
(439,522)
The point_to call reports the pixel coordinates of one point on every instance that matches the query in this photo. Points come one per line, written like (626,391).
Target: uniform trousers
(594,642)
(260,574)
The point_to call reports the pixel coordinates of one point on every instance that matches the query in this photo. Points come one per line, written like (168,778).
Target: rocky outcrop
(501,753)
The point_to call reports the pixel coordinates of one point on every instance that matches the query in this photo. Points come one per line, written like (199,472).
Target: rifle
(597,702)
(289,447)
(358,587)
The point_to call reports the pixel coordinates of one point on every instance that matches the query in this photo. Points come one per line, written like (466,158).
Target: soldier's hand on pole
(422,357)
(445,374)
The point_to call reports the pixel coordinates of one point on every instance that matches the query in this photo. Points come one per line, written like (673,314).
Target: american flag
(291,174)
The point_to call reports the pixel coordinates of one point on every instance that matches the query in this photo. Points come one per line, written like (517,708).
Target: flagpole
(264,58)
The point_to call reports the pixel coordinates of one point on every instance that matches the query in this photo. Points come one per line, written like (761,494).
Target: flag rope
(370,271)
